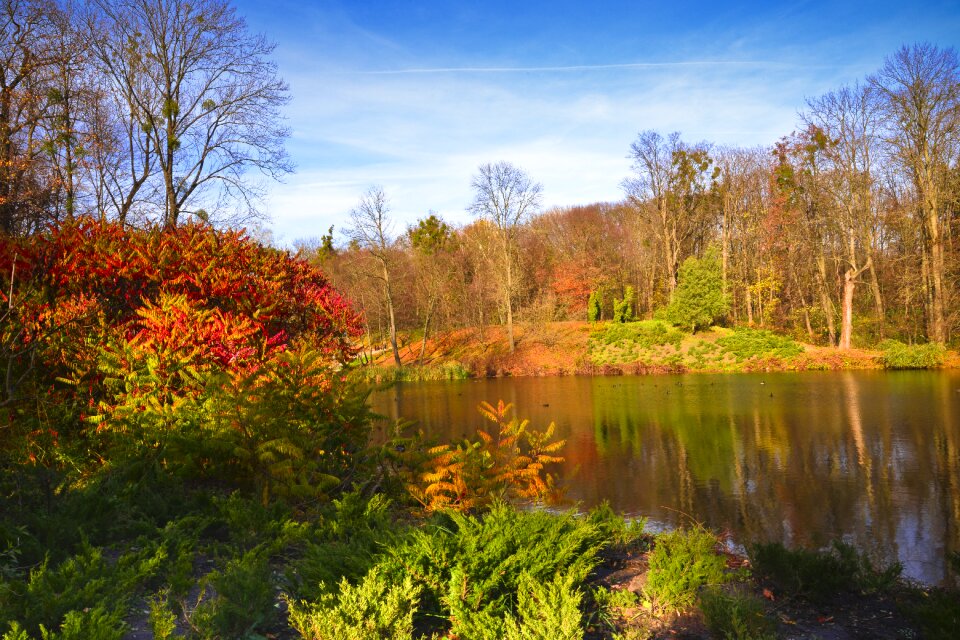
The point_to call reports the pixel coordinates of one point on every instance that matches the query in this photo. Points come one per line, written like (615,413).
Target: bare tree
(371,231)
(202,98)
(670,186)
(505,195)
(430,241)
(848,118)
(27,55)
(919,87)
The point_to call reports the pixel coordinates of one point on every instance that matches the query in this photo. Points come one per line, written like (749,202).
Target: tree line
(135,111)
(841,233)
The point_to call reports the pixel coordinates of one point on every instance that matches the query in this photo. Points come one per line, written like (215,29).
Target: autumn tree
(847,118)
(202,98)
(919,89)
(506,196)
(430,241)
(27,57)
(670,186)
(371,231)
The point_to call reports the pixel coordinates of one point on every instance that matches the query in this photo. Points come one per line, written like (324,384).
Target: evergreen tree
(595,305)
(699,299)
(623,309)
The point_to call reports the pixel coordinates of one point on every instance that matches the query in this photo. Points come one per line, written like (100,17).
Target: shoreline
(561,349)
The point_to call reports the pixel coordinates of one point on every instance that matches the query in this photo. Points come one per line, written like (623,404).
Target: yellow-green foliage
(546,610)
(375,608)
(474,568)
(745,343)
(681,562)
(631,341)
(507,463)
(290,427)
(897,355)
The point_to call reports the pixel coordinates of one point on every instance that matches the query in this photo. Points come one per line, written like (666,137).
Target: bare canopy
(203,94)
(506,196)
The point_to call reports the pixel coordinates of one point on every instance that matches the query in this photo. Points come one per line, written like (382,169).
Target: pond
(869,457)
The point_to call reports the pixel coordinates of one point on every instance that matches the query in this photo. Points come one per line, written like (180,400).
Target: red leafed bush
(85,284)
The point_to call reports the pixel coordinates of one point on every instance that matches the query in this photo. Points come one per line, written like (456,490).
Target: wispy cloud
(396,99)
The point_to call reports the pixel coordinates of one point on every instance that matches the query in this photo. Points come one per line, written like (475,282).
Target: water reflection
(870,457)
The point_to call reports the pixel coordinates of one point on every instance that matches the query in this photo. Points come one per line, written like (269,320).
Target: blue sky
(414,96)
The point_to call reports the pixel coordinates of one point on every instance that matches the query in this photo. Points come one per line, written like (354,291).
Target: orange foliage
(508,463)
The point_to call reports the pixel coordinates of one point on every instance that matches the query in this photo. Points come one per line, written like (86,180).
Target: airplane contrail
(577,67)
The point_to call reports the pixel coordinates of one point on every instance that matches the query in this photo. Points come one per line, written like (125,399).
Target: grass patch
(897,355)
(378,374)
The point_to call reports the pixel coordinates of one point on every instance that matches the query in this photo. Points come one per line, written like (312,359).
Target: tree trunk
(846,325)
(725,239)
(938,324)
(426,326)
(509,295)
(877,296)
(393,321)
(825,302)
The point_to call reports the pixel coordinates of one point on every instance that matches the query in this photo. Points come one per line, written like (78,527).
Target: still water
(804,458)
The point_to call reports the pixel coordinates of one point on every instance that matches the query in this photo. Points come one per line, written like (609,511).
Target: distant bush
(897,355)
(630,336)
(745,343)
(421,373)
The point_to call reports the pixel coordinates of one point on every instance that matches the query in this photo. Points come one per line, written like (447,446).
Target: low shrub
(735,615)
(244,597)
(644,334)
(374,608)
(681,562)
(473,568)
(57,595)
(617,530)
(897,355)
(819,575)
(546,610)
(91,623)
(935,611)
(624,342)
(745,343)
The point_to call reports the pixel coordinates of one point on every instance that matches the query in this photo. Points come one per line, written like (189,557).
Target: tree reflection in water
(870,457)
